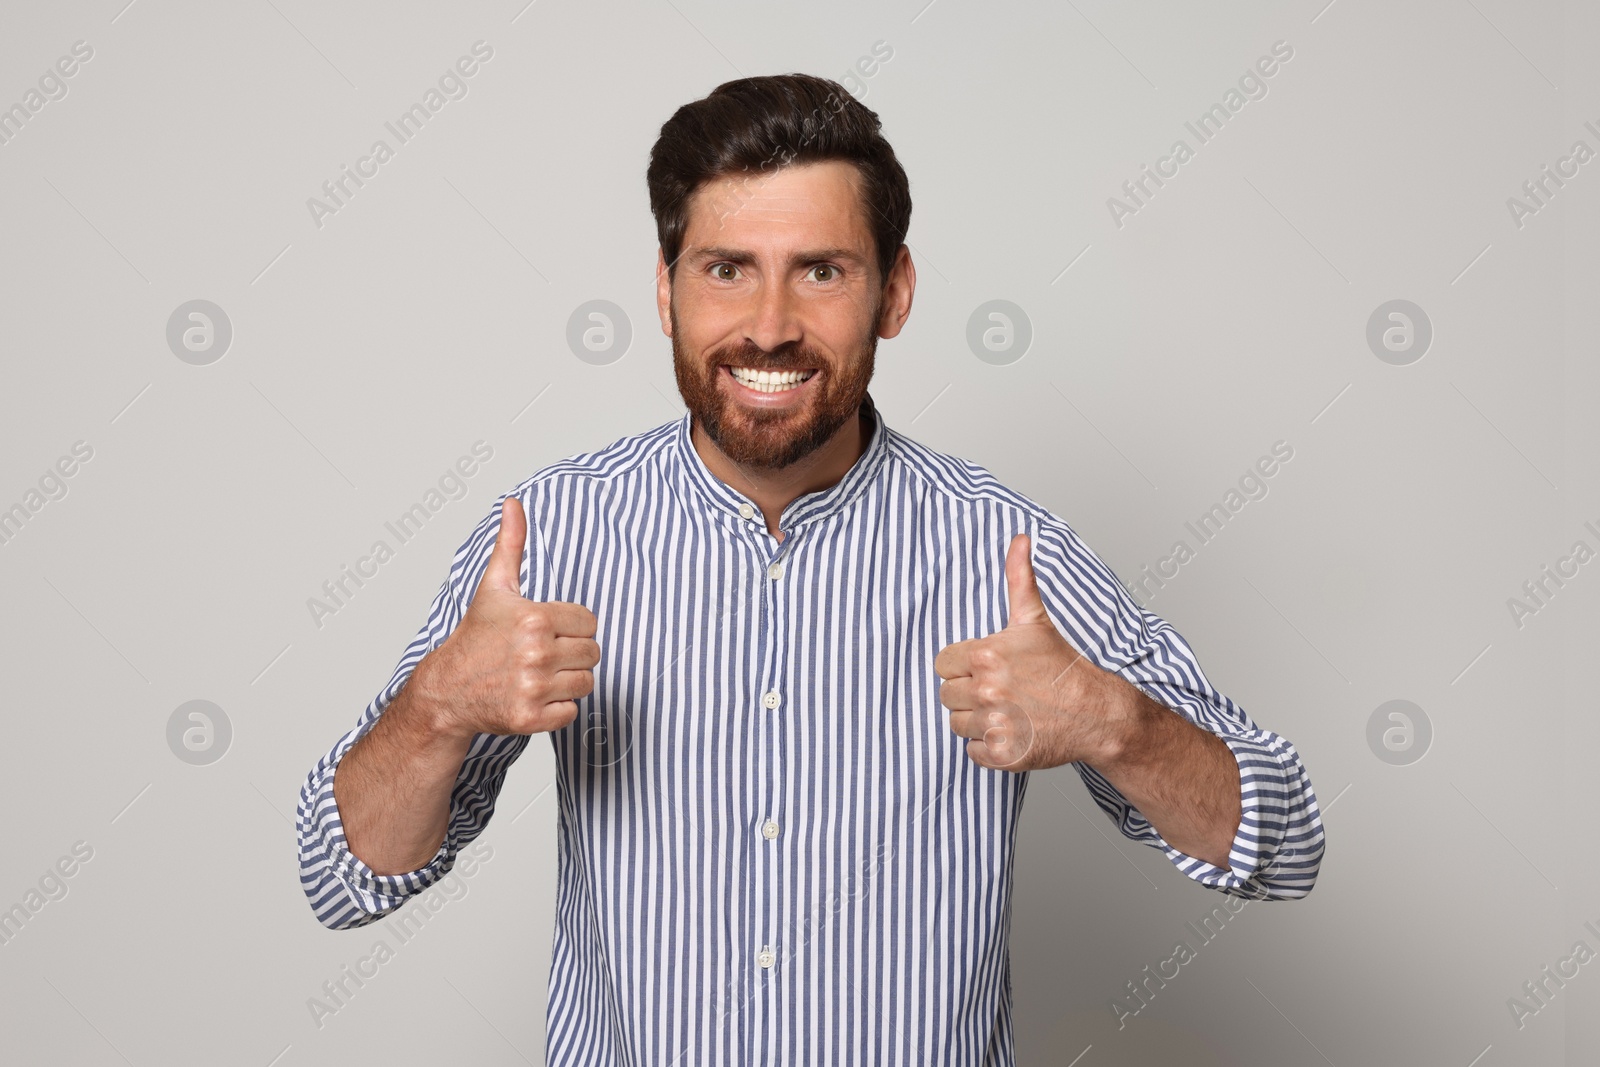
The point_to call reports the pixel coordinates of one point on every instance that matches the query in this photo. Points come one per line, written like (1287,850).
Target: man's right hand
(512,666)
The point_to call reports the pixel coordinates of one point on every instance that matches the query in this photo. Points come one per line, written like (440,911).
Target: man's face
(777,273)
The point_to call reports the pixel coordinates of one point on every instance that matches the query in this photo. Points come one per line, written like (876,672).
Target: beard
(770,439)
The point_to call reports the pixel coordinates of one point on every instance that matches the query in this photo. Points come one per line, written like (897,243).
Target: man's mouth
(764,381)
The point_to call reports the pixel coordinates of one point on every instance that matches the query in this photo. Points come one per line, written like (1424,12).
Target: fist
(1024,697)
(512,666)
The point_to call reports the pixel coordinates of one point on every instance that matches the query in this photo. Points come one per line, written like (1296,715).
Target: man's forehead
(758,205)
(819,197)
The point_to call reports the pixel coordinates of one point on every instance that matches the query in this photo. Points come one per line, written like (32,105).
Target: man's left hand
(1025,697)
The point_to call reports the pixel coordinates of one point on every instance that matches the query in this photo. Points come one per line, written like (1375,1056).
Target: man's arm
(392,788)
(1182,778)
(1132,711)
(383,814)
(344,891)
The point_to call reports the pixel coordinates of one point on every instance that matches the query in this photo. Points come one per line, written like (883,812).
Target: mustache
(787,357)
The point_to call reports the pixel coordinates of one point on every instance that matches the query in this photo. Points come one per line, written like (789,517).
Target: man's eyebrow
(801,258)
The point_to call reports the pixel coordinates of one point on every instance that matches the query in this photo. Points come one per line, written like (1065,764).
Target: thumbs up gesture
(512,666)
(1024,697)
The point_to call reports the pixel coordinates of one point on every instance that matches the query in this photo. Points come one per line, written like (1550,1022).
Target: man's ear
(663,292)
(898,289)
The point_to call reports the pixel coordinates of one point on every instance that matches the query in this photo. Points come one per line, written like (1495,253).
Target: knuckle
(535,716)
(543,718)
(530,686)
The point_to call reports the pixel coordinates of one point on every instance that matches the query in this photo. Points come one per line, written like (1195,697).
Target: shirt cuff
(330,864)
(1274,799)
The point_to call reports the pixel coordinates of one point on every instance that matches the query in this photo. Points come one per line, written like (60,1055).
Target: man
(794,666)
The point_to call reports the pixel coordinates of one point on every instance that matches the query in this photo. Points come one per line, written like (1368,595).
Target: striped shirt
(772,848)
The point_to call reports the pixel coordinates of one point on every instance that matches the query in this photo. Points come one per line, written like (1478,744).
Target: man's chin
(762,422)
(770,450)
(763,440)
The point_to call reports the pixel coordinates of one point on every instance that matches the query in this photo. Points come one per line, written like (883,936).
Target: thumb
(1022,591)
(504,569)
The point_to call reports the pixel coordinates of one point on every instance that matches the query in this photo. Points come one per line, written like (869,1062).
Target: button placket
(768,856)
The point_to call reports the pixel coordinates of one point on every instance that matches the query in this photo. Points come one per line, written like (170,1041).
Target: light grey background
(1168,354)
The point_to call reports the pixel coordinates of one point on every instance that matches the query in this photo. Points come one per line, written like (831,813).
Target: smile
(763,381)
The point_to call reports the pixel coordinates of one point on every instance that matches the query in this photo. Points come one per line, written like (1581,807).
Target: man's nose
(774,318)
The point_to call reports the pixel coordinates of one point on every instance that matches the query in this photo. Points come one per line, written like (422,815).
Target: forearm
(393,786)
(1182,777)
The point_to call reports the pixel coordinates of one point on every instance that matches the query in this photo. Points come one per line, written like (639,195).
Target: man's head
(781,213)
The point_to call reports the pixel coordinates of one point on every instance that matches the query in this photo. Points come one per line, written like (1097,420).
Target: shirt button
(769,829)
(772,699)
(746,511)
(765,957)
(775,571)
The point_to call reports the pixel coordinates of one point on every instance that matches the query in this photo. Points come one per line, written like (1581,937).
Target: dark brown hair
(753,124)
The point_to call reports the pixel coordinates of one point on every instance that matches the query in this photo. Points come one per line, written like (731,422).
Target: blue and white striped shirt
(772,847)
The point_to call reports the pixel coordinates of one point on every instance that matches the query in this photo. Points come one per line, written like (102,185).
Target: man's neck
(774,490)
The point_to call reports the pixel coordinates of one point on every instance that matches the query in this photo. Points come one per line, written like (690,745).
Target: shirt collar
(711,492)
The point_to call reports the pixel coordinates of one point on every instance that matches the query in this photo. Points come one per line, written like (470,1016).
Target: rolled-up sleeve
(343,891)
(1278,848)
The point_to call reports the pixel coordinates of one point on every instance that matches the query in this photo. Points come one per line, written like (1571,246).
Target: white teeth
(765,381)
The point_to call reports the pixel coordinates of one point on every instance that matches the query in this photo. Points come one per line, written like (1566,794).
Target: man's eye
(830,269)
(717,268)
